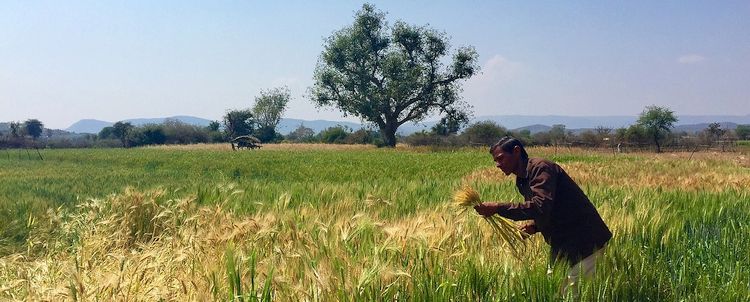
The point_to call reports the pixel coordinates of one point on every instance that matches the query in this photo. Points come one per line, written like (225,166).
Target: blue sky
(61,61)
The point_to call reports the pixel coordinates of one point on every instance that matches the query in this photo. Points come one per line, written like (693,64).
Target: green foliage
(451,123)
(301,134)
(714,131)
(334,135)
(268,135)
(542,138)
(107,133)
(34,128)
(214,126)
(743,132)
(177,132)
(121,130)
(390,75)
(364,137)
(147,135)
(636,134)
(270,106)
(484,133)
(16,130)
(238,122)
(657,121)
(558,134)
(523,135)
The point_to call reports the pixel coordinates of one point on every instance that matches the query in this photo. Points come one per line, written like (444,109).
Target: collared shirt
(561,211)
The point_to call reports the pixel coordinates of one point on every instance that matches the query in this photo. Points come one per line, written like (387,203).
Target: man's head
(508,154)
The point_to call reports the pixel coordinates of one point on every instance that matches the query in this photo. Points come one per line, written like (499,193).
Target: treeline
(261,122)
(634,137)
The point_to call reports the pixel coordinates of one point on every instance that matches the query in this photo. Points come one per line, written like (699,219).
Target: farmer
(556,206)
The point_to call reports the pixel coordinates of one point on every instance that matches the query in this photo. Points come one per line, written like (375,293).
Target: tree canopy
(270,106)
(657,122)
(268,109)
(390,75)
(34,128)
(120,130)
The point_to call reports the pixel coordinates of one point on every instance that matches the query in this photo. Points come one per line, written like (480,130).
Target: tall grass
(353,225)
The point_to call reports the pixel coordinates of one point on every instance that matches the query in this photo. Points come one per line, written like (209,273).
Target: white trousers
(583,269)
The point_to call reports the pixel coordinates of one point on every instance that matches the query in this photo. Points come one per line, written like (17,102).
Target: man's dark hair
(507,144)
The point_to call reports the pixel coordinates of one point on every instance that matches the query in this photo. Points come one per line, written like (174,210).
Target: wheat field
(327,223)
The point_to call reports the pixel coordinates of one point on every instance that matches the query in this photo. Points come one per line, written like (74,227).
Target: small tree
(16,129)
(590,138)
(602,131)
(213,126)
(636,134)
(524,135)
(334,135)
(268,109)
(484,133)
(558,134)
(388,76)
(238,122)
(120,130)
(657,121)
(34,128)
(214,134)
(742,131)
(714,132)
(301,134)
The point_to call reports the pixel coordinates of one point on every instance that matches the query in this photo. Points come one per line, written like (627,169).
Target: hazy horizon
(61,62)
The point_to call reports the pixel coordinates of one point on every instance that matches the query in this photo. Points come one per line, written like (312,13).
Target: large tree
(390,75)
(34,128)
(657,122)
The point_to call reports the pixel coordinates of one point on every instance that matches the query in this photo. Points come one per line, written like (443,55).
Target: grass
(321,223)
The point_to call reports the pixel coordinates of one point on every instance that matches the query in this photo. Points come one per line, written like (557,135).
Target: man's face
(505,161)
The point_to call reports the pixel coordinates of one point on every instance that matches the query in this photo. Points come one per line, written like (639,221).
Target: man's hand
(487,209)
(528,228)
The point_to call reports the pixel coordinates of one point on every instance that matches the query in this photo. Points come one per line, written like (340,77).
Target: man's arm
(543,182)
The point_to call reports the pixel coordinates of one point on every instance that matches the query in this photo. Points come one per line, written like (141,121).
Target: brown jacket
(561,211)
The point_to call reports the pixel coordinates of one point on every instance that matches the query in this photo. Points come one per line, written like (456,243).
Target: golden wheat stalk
(511,237)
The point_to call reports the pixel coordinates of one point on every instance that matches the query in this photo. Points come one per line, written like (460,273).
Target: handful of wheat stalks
(510,235)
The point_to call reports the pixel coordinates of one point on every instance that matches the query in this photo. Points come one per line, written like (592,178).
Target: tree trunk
(656,141)
(389,135)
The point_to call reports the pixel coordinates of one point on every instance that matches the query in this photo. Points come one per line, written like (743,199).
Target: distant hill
(287,125)
(88,126)
(182,118)
(534,128)
(94,126)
